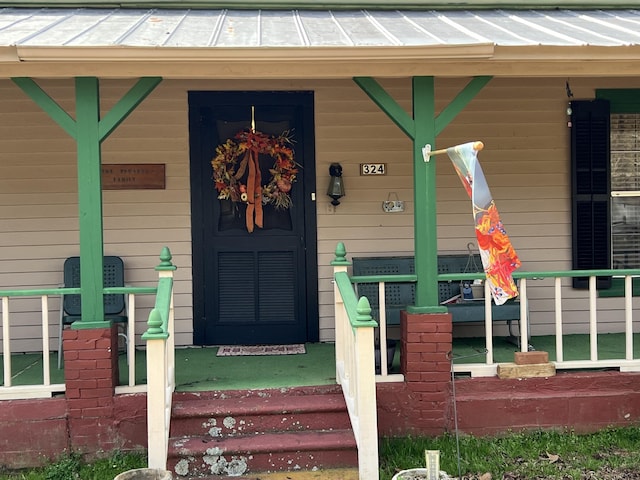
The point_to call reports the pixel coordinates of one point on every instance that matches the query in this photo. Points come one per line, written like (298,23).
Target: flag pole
(427,153)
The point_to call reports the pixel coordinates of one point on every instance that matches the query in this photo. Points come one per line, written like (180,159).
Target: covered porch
(378,88)
(199,369)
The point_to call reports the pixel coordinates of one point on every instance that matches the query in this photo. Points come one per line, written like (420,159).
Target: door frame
(305,100)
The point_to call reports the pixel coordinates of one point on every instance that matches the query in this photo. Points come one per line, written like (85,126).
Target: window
(625,190)
(605,146)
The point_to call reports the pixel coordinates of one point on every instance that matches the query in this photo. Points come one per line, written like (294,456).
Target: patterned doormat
(255,350)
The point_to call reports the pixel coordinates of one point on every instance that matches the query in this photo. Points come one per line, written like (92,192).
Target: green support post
(89,130)
(423,129)
(424,194)
(90,202)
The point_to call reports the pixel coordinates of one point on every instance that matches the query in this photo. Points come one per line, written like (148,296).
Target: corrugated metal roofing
(89,27)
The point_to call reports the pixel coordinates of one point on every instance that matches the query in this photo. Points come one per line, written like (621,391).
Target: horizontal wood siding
(522,122)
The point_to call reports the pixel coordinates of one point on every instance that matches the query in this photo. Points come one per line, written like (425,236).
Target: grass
(72,467)
(610,453)
(553,455)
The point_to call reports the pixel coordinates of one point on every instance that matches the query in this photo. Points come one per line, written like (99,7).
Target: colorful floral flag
(499,258)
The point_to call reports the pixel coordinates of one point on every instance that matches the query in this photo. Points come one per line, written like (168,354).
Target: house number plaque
(373,169)
(133,176)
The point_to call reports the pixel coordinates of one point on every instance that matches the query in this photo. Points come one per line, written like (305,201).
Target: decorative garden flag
(499,258)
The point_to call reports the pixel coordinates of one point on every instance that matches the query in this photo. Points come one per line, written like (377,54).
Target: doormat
(255,350)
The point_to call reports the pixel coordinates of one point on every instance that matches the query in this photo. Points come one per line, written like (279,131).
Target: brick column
(426,341)
(91,375)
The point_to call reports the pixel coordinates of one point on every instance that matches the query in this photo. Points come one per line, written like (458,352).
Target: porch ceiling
(220,43)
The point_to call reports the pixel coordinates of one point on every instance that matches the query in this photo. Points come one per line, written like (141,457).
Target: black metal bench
(399,295)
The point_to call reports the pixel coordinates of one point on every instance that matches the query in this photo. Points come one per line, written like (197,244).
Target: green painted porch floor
(199,369)
(575,347)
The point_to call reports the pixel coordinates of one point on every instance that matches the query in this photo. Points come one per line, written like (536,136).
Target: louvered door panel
(236,287)
(277,290)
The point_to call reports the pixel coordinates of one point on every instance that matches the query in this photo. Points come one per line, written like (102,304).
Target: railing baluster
(488,324)
(593,319)
(131,340)
(6,342)
(382,328)
(46,370)
(524,317)
(628,317)
(558,314)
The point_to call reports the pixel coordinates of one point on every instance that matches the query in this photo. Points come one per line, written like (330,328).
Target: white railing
(625,362)
(355,367)
(8,391)
(160,366)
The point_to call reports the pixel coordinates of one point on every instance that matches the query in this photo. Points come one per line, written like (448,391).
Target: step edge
(199,408)
(263,443)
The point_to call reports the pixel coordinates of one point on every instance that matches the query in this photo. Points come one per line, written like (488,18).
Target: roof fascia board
(446,53)
(328,4)
(180,55)
(326,69)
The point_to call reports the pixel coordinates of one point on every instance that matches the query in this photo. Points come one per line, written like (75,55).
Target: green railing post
(340,258)
(164,299)
(160,364)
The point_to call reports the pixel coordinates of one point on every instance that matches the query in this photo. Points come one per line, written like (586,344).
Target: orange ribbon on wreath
(254,190)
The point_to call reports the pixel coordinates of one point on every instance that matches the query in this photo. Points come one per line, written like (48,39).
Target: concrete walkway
(334,474)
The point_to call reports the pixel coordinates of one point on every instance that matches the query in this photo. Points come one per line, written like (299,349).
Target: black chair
(115,305)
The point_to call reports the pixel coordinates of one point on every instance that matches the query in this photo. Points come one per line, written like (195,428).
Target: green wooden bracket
(127,104)
(46,103)
(461,100)
(387,104)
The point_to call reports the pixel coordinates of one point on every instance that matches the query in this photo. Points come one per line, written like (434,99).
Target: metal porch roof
(85,27)
(192,35)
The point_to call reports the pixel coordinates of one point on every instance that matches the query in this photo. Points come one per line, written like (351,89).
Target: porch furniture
(115,305)
(399,295)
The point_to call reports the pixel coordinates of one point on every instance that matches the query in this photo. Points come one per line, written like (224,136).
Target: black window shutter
(591,189)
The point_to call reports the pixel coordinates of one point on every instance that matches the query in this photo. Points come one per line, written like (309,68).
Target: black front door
(254,263)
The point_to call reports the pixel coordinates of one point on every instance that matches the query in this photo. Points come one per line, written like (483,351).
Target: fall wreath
(237,174)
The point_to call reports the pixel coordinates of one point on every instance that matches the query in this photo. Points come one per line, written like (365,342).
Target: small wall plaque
(133,176)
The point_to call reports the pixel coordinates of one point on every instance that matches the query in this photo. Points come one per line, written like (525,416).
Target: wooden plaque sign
(133,176)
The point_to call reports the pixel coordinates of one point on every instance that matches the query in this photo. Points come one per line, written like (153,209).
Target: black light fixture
(336,185)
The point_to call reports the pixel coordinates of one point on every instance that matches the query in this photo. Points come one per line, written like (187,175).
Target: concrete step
(244,433)
(271,452)
(244,416)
